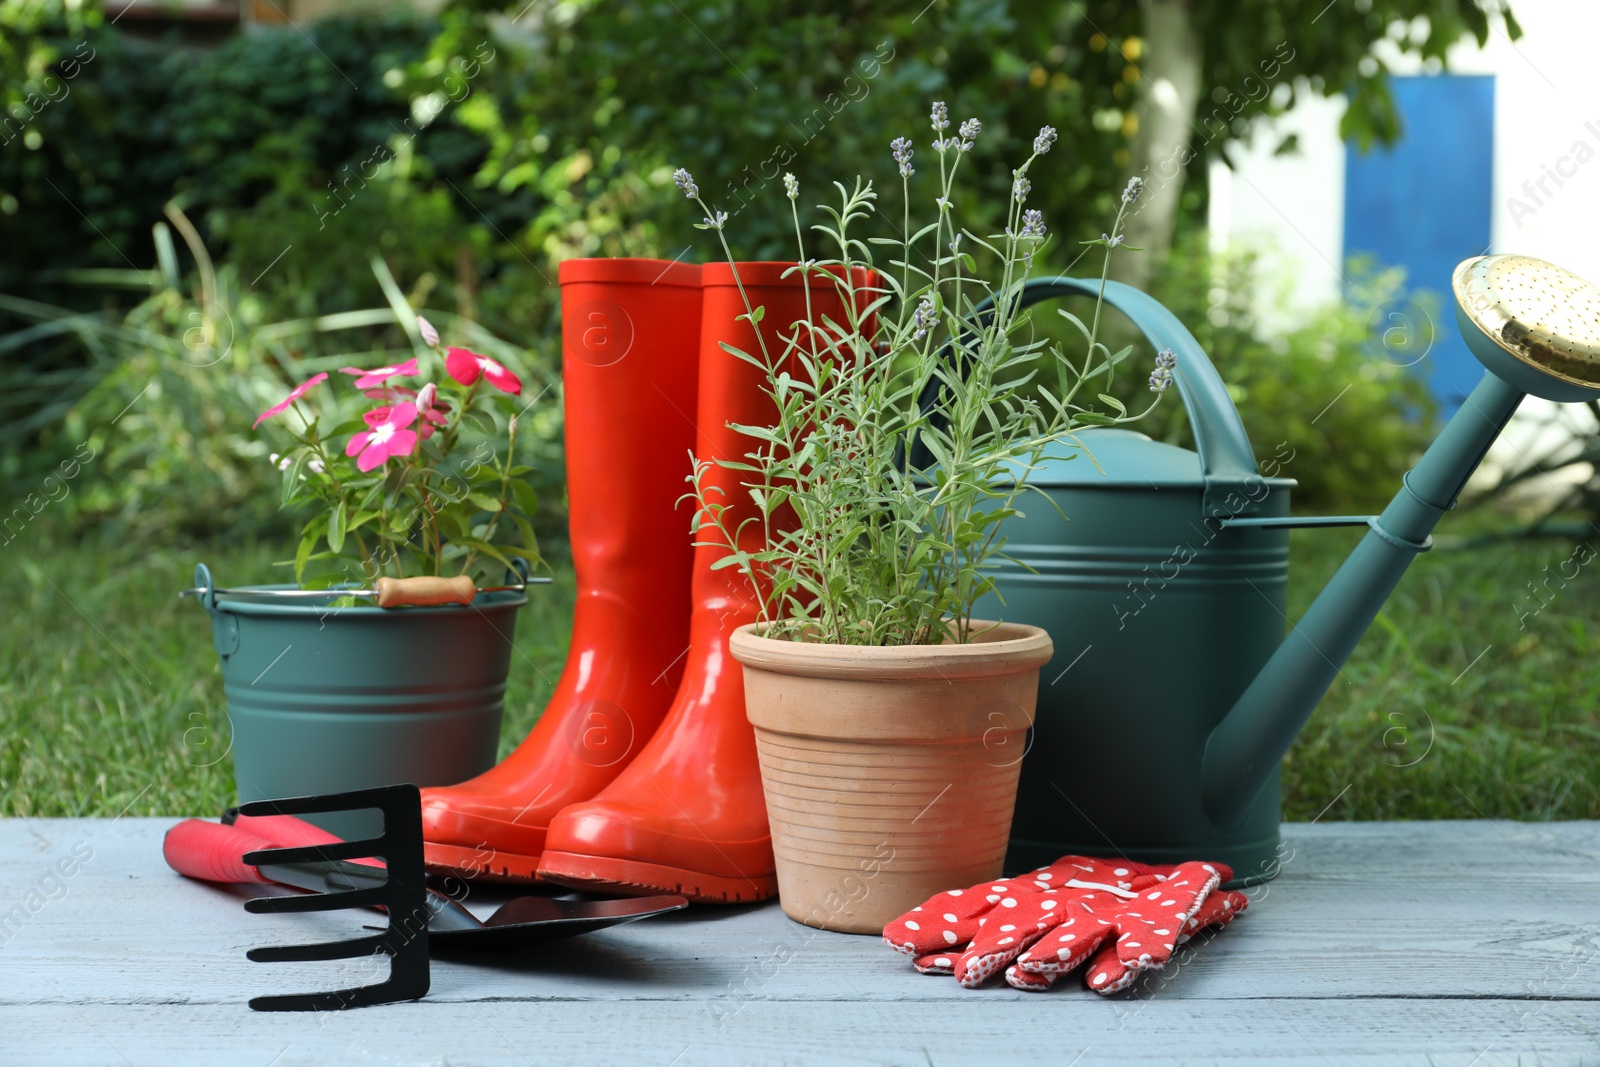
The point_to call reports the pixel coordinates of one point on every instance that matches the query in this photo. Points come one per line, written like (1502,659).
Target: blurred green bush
(163,431)
(299,158)
(511,143)
(471,152)
(1324,390)
(1338,412)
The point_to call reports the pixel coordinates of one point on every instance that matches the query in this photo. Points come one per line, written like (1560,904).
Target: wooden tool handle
(424,592)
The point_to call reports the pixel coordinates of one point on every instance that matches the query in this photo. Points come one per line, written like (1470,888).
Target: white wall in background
(1290,207)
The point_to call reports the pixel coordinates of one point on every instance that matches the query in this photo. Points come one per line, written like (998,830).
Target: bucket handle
(224,624)
(208,588)
(1226,459)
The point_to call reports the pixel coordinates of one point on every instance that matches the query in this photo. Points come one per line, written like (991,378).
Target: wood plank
(842,1031)
(1469,942)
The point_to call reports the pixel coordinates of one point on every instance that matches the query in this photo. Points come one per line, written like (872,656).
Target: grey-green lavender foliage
(859,542)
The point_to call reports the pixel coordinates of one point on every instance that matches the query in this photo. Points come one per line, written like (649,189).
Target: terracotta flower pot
(890,773)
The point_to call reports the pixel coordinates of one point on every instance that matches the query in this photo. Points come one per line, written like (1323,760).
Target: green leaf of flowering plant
(309,536)
(336,521)
(485,548)
(526,497)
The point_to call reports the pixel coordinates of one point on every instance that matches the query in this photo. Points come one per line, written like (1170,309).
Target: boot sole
(483,862)
(634,878)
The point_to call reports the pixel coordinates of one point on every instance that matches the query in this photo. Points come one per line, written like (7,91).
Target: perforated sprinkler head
(1532,324)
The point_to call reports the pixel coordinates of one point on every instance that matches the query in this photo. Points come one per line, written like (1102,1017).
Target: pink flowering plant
(421,483)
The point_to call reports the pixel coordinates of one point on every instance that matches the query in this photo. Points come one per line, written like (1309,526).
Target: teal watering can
(1174,692)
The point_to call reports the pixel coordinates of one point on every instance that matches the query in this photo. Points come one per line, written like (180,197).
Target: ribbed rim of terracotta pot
(625,271)
(1003,648)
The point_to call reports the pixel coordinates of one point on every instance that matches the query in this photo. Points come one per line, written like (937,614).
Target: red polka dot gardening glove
(1123,917)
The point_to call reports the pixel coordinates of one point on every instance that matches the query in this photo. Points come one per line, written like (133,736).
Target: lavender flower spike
(901,149)
(969,132)
(923,318)
(940,116)
(1135,187)
(1161,377)
(1020,186)
(1033,228)
(791,185)
(1046,138)
(685,182)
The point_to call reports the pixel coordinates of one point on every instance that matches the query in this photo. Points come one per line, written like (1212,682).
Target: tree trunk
(1171,91)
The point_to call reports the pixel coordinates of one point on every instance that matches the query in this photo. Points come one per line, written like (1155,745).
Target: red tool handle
(212,852)
(286,831)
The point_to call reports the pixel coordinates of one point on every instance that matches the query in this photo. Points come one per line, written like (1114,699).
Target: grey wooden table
(1464,943)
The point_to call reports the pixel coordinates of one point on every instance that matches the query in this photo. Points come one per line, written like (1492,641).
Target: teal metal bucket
(324,699)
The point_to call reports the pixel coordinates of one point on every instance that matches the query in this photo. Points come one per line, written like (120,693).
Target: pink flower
(466,367)
(390,393)
(430,420)
(436,412)
(429,334)
(431,410)
(388,436)
(294,394)
(366,379)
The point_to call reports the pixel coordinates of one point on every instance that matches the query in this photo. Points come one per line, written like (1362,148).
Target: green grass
(111,690)
(1455,705)
(112,698)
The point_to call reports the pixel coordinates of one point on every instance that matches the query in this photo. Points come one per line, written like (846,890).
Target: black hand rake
(402,893)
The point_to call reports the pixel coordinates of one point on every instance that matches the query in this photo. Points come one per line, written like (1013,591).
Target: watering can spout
(1246,746)
(1536,328)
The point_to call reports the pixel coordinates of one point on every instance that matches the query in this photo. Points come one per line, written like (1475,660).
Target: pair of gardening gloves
(1125,918)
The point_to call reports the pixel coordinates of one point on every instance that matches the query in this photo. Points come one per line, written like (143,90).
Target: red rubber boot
(688,816)
(630,350)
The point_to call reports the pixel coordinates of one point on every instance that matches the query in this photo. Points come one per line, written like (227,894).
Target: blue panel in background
(1424,204)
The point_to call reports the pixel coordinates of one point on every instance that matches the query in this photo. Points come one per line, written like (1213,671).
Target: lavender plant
(860,542)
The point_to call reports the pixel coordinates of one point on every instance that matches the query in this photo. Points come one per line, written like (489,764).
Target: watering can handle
(1226,458)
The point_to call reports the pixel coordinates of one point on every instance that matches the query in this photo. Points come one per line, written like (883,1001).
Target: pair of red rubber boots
(641,774)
